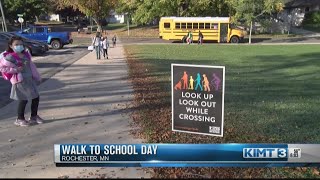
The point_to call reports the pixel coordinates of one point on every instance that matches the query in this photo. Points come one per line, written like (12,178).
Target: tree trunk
(128,24)
(98,24)
(37,19)
(250,32)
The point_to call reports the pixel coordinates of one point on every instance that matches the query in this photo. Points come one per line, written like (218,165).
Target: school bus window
(207,25)
(178,26)
(166,25)
(183,25)
(214,26)
(195,25)
(189,25)
(201,25)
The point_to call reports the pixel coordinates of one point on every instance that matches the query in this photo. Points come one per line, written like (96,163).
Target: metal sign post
(21,20)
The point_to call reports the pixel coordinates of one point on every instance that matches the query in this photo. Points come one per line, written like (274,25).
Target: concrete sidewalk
(85,103)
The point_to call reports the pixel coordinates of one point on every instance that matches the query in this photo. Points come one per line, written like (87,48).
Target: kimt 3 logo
(265,153)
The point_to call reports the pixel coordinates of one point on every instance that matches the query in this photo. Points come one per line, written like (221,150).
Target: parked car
(3,45)
(31,40)
(33,47)
(43,33)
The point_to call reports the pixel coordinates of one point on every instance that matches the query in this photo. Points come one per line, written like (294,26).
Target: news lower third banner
(187,155)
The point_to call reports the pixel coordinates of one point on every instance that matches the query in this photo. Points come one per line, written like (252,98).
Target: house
(292,15)
(304,6)
(116,18)
(54,17)
(295,10)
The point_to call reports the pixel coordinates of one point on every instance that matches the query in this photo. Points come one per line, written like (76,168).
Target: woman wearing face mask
(16,66)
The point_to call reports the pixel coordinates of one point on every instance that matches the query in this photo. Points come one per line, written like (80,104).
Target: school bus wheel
(234,39)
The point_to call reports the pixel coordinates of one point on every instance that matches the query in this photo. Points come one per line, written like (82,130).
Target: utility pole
(3,18)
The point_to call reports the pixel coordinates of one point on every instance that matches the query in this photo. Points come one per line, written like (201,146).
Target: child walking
(114,41)
(105,45)
(17,66)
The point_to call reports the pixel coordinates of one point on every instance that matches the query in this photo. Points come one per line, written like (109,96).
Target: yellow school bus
(213,28)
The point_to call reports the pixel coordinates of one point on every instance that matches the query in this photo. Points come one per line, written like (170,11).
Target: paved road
(51,63)
(301,40)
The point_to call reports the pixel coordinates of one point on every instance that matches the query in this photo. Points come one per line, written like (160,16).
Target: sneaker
(21,122)
(36,119)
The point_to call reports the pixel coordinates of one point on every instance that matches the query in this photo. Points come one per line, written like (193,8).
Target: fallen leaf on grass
(315,172)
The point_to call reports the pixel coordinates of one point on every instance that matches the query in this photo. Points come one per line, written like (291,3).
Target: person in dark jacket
(114,41)
(200,40)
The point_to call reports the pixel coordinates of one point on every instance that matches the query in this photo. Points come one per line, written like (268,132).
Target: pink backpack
(8,76)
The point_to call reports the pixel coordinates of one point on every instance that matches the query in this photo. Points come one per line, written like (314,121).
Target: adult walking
(185,80)
(97,44)
(17,67)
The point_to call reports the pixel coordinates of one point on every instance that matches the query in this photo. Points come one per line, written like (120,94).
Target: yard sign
(198,99)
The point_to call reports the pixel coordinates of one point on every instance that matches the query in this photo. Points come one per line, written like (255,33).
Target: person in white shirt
(105,45)
(97,44)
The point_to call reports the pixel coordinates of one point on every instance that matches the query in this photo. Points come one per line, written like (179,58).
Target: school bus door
(224,32)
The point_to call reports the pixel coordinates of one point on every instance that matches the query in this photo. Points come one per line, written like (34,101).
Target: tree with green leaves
(145,11)
(97,9)
(212,8)
(31,9)
(250,11)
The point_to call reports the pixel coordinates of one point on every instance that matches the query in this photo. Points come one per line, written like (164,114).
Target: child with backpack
(17,67)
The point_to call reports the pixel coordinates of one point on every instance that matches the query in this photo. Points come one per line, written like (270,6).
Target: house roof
(301,3)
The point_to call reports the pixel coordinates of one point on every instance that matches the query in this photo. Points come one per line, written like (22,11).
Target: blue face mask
(18,48)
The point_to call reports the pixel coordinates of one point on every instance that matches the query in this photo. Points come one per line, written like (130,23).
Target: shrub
(311,18)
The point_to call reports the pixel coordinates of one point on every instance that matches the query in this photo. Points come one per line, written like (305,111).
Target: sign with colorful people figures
(198,99)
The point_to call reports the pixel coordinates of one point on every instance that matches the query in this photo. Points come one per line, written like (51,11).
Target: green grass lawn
(272,91)
(115,26)
(134,31)
(312,27)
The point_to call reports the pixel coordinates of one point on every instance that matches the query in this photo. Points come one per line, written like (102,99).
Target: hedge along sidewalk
(85,103)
